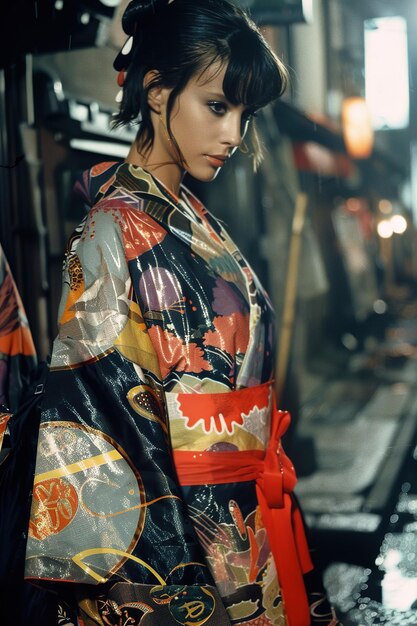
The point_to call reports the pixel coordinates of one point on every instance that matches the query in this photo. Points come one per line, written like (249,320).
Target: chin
(204,176)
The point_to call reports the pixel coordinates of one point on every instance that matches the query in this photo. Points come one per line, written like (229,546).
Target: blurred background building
(329,222)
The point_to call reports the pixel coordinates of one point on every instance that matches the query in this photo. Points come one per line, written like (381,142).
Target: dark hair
(182,38)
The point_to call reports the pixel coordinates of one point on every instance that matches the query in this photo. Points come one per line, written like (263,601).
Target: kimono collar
(101,181)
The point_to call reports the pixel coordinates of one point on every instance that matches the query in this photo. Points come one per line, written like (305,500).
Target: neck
(169,173)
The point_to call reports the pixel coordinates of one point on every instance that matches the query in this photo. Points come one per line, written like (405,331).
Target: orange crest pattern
(55,503)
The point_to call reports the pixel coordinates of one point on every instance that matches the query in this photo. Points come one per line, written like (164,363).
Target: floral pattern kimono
(17,351)
(160,387)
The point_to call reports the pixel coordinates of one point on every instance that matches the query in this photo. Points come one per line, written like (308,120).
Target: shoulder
(118,193)
(124,188)
(130,206)
(123,181)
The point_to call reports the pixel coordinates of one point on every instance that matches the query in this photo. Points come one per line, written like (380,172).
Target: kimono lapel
(245,280)
(188,220)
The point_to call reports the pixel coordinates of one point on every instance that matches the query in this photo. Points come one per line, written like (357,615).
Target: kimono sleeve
(17,351)
(106,510)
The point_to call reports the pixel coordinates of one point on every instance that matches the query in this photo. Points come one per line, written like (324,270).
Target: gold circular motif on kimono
(189,605)
(89,502)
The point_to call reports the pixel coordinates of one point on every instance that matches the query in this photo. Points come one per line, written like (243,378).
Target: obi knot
(278,474)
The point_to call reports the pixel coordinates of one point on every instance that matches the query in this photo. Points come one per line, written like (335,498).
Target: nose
(233,130)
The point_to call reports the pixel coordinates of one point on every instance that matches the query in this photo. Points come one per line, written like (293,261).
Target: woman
(161,488)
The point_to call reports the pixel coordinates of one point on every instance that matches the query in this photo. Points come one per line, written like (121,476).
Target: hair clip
(127,48)
(122,60)
(121,77)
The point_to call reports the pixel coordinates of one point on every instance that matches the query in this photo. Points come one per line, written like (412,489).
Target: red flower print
(231,333)
(174,354)
(141,233)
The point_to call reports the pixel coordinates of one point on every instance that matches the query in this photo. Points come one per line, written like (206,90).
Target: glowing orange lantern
(357,128)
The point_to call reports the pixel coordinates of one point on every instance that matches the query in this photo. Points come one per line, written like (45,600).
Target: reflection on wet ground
(385,593)
(361,501)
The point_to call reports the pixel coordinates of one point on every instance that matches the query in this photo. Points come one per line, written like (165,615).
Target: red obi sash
(275,480)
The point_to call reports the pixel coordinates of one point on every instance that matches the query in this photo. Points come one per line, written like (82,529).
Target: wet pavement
(360,502)
(386,592)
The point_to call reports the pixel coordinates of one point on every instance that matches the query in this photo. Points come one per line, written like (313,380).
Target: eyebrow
(217,94)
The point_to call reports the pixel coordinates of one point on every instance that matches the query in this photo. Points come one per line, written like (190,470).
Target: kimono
(17,351)
(161,492)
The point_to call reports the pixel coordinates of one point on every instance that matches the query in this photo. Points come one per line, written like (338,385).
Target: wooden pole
(290,296)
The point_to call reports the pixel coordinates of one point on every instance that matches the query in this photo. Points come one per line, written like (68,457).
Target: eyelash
(214,103)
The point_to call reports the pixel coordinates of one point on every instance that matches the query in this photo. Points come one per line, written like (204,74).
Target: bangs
(254,75)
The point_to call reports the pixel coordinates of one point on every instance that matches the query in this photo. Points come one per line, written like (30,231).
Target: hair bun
(138,10)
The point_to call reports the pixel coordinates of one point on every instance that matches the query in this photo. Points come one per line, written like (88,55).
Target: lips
(216,160)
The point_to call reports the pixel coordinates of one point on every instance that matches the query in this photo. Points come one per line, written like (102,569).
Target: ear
(156,95)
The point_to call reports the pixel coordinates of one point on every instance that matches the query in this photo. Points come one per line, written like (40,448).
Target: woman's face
(205,125)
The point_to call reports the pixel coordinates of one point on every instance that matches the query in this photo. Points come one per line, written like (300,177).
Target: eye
(218,107)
